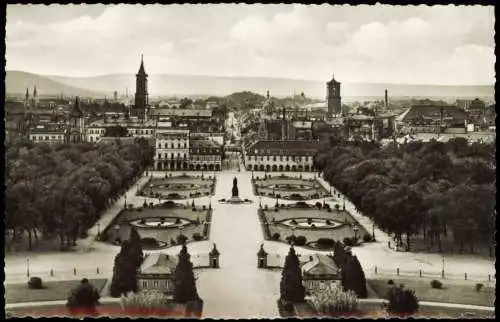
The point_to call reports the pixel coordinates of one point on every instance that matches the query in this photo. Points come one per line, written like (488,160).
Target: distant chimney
(386,104)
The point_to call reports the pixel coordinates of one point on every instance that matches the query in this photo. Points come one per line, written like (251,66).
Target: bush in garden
(149,242)
(318,204)
(309,221)
(348,241)
(479,286)
(325,242)
(177,221)
(367,238)
(197,237)
(35,283)
(326,206)
(436,284)
(181,239)
(300,240)
(328,299)
(390,282)
(328,222)
(337,207)
(173,242)
(402,301)
(291,239)
(266,207)
(145,302)
(294,222)
(275,236)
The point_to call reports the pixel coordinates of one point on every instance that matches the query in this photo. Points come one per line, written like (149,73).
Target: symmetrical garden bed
(179,187)
(289,188)
(161,225)
(313,226)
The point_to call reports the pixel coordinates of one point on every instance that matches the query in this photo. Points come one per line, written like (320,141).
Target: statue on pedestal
(235,192)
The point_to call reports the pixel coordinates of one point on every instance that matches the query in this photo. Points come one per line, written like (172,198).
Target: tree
(136,254)
(83,298)
(353,277)
(291,288)
(402,301)
(184,280)
(124,272)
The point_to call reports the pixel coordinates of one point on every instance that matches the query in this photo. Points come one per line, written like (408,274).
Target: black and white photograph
(249,161)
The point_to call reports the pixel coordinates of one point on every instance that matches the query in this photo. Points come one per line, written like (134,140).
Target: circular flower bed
(160,222)
(311,223)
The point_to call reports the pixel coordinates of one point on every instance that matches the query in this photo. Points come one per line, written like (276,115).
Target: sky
(382,44)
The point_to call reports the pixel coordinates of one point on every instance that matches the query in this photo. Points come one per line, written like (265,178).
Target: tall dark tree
(184,280)
(291,288)
(353,277)
(124,272)
(136,248)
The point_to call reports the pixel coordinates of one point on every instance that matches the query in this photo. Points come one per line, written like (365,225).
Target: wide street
(238,288)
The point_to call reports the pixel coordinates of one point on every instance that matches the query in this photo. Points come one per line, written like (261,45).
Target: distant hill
(189,85)
(16,83)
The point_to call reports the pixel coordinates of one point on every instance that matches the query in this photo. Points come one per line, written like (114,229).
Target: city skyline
(381,44)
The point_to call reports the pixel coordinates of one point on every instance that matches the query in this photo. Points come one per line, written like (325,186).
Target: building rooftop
(432,112)
(283,147)
(181,112)
(320,266)
(158,263)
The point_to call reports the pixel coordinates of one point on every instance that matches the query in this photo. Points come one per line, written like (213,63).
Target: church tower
(76,124)
(141,91)
(35,98)
(27,99)
(333,98)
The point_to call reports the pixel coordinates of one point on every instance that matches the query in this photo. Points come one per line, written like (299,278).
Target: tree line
(61,190)
(432,188)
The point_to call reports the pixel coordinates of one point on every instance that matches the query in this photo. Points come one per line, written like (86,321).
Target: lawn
(312,234)
(120,227)
(179,187)
(52,291)
(460,293)
(290,188)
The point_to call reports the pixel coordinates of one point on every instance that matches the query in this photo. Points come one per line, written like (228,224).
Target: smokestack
(386,100)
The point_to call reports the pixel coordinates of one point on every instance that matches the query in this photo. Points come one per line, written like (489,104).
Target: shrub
(328,222)
(275,236)
(145,302)
(197,237)
(326,206)
(479,286)
(35,283)
(436,284)
(300,240)
(290,238)
(318,204)
(328,299)
(367,238)
(139,209)
(149,242)
(390,282)
(143,221)
(348,241)
(294,222)
(177,221)
(402,301)
(276,209)
(203,207)
(266,207)
(181,239)
(309,221)
(337,206)
(173,242)
(325,242)
(301,204)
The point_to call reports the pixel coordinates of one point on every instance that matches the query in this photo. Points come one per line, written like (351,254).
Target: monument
(235,188)
(235,195)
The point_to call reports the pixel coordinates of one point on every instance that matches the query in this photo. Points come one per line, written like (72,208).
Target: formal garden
(179,187)
(162,225)
(289,188)
(317,226)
